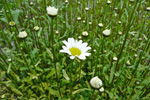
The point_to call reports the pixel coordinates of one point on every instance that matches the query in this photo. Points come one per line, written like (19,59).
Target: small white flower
(57,32)
(78,18)
(66,1)
(76,49)
(106,32)
(148,8)
(120,33)
(128,63)
(135,55)
(116,8)
(119,22)
(87,9)
(83,21)
(115,58)
(101,89)
(85,33)
(52,11)
(79,37)
(12,23)
(108,2)
(131,0)
(36,28)
(100,25)
(90,23)
(23,34)
(96,82)
(31,3)
(9,59)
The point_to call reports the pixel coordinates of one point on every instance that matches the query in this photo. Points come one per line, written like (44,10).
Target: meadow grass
(33,68)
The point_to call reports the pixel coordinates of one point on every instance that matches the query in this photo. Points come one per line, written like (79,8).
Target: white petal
(72,57)
(87,54)
(85,49)
(67,44)
(63,51)
(82,57)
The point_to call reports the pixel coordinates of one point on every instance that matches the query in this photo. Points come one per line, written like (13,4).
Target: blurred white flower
(101,89)
(85,33)
(31,3)
(23,34)
(131,0)
(66,1)
(36,28)
(108,2)
(90,23)
(96,82)
(87,9)
(128,63)
(83,21)
(100,25)
(52,11)
(106,32)
(76,49)
(115,58)
(57,32)
(78,18)
(12,23)
(120,33)
(148,8)
(119,22)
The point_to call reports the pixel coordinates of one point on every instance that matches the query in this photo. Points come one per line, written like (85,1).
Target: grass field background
(33,68)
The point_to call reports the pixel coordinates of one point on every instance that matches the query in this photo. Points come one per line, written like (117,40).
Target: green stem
(53,51)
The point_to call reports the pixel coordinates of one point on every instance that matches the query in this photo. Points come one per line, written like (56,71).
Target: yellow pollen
(75,51)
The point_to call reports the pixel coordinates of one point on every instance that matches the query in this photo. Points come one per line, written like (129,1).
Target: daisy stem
(80,64)
(71,80)
(53,51)
(92,97)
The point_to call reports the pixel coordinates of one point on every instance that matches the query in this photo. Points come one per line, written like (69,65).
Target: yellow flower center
(75,51)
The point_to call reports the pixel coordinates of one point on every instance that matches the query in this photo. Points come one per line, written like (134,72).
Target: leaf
(80,90)
(9,67)
(16,91)
(65,75)
(51,73)
(15,14)
(111,75)
(37,63)
(53,92)
(50,53)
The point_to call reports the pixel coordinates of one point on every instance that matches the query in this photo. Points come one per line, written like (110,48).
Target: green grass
(33,68)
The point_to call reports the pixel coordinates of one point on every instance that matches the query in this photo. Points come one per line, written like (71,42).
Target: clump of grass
(32,67)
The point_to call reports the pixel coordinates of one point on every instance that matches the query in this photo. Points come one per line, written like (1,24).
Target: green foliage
(33,68)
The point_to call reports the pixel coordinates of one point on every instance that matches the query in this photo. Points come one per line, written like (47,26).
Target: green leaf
(80,90)
(52,72)
(65,75)
(9,67)
(16,91)
(111,75)
(15,14)
(50,53)
(53,92)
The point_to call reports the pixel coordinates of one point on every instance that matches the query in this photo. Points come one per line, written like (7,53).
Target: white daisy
(96,82)
(52,11)
(76,49)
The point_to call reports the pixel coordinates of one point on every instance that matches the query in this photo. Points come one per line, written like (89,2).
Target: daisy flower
(96,82)
(75,49)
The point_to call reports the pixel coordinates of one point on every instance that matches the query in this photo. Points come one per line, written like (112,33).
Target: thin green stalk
(92,96)
(53,51)
(126,35)
(71,81)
